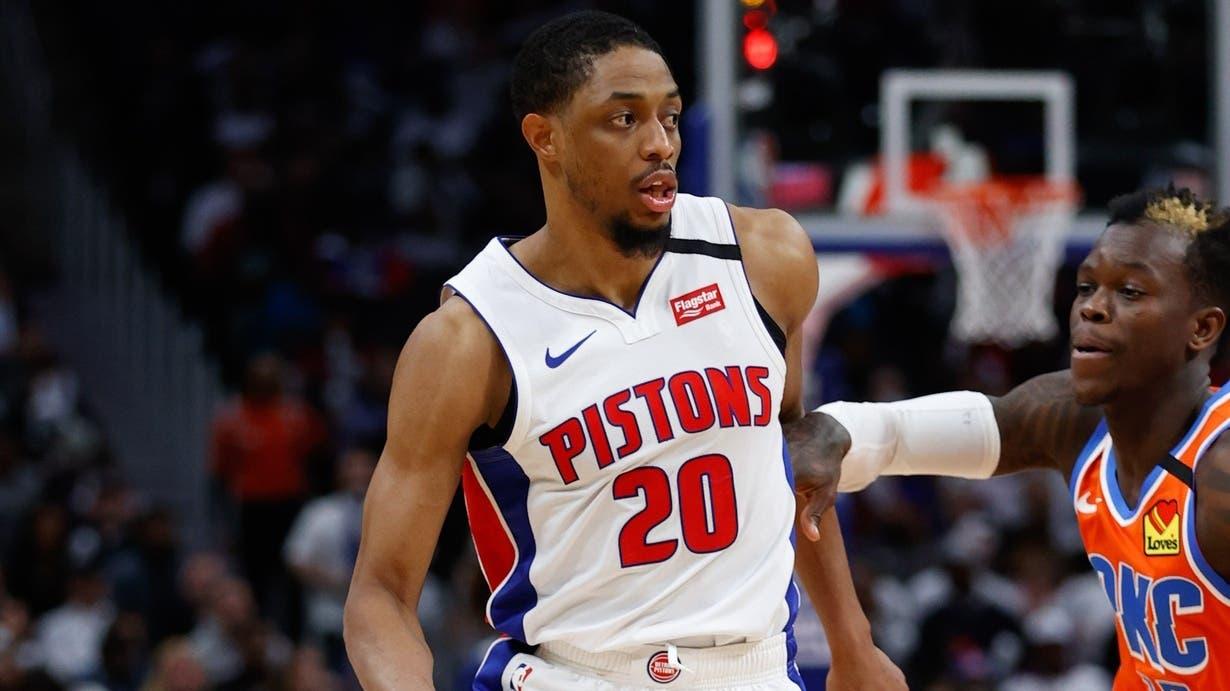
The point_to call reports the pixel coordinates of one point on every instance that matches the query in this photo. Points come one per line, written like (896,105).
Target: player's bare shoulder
(780,262)
(1213,509)
(452,358)
(1042,425)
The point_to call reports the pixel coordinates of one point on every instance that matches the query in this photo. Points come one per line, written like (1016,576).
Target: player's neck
(573,254)
(1146,424)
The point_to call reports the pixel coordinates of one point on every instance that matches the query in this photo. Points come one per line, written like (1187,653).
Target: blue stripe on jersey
(490,676)
(1085,455)
(792,590)
(1121,507)
(511,488)
(1110,467)
(1220,395)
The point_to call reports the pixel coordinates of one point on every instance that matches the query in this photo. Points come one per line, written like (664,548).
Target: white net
(1007,242)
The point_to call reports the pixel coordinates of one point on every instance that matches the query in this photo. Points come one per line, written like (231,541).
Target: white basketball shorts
(761,666)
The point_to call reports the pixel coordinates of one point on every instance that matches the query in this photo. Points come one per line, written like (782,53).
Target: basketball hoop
(1007,241)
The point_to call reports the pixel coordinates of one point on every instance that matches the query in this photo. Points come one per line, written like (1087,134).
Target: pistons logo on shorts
(519,676)
(660,669)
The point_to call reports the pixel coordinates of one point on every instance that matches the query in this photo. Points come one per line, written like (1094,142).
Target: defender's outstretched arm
(1038,424)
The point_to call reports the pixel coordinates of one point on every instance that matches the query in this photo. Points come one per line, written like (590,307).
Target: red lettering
(566,441)
(707,507)
(692,402)
(729,396)
(755,382)
(651,393)
(597,436)
(635,549)
(624,420)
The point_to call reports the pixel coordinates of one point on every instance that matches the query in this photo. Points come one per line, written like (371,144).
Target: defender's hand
(817,443)
(870,671)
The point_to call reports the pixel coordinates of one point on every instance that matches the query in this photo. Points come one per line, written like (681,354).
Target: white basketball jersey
(643,494)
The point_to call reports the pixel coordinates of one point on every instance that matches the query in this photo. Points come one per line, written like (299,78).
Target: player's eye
(672,120)
(1131,293)
(623,120)
(1085,288)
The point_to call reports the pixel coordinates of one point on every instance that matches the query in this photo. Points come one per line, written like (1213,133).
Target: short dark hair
(1208,227)
(558,57)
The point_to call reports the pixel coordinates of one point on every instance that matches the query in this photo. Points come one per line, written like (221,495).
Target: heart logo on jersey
(1161,526)
(1164,511)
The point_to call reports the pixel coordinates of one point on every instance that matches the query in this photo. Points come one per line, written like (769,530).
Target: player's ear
(1210,322)
(540,133)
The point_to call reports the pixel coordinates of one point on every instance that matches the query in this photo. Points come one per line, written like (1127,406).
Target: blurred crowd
(304,178)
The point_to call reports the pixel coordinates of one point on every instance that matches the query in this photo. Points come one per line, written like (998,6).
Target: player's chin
(1091,390)
(647,220)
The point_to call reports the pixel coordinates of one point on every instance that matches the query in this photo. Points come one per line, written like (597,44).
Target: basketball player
(609,390)
(1133,425)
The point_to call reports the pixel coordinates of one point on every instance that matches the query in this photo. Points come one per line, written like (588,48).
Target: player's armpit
(446,384)
(1041,425)
(1213,506)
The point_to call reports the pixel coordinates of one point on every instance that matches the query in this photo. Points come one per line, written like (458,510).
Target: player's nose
(1096,308)
(657,145)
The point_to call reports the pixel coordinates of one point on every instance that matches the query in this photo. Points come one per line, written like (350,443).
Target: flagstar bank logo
(1162,529)
(699,303)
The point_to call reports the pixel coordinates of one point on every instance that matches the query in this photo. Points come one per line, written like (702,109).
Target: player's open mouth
(658,191)
(1088,348)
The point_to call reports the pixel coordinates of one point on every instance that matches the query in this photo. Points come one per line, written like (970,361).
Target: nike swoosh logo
(556,361)
(1083,505)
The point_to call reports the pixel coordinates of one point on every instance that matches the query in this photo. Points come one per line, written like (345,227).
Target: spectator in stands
(18,650)
(176,668)
(970,639)
(37,566)
(143,574)
(70,637)
(1050,633)
(200,573)
(364,418)
(19,489)
(321,551)
(9,330)
(231,642)
(125,650)
(261,447)
(307,672)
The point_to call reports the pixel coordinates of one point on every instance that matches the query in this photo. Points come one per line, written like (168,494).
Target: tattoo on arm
(1213,507)
(1041,425)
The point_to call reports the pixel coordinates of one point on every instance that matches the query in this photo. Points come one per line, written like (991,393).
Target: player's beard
(635,242)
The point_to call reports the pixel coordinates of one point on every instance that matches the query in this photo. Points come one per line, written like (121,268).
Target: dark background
(298,179)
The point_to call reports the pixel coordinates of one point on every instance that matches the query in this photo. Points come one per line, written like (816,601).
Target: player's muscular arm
(781,268)
(782,271)
(450,379)
(1041,425)
(1038,424)
(1213,506)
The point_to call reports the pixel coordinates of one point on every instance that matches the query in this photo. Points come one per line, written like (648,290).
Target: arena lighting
(755,19)
(753,3)
(760,49)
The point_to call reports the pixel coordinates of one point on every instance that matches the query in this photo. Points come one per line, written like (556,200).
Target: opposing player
(608,390)
(1133,424)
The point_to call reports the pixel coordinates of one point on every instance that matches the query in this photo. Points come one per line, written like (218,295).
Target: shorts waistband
(699,668)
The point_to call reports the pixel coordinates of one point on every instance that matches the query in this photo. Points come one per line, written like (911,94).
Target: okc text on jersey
(1150,615)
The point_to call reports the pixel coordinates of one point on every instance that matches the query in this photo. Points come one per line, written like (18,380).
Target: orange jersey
(1173,609)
